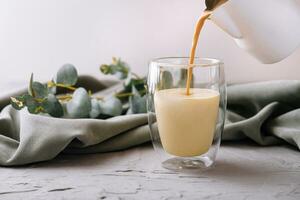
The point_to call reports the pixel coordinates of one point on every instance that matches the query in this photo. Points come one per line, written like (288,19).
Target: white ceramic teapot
(267,29)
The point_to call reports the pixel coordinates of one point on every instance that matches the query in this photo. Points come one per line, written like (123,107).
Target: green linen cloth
(267,113)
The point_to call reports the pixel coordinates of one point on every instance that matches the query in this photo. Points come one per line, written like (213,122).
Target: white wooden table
(243,171)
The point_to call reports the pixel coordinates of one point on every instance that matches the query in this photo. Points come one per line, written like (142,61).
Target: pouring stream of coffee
(211,6)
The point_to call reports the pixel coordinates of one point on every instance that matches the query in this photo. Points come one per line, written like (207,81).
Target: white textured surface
(242,172)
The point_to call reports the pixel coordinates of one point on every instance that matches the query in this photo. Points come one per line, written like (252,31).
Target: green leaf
(32,105)
(37,89)
(20,102)
(95,109)
(17,102)
(111,106)
(30,88)
(166,80)
(52,106)
(139,84)
(67,75)
(105,69)
(118,68)
(80,105)
(51,88)
(40,90)
(129,112)
(183,79)
(137,103)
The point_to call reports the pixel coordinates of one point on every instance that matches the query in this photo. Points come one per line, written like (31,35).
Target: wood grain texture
(243,171)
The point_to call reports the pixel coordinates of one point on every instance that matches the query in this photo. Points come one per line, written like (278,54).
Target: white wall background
(40,35)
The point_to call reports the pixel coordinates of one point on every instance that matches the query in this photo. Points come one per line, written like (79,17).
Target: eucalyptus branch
(120,95)
(39,109)
(51,84)
(80,102)
(65,97)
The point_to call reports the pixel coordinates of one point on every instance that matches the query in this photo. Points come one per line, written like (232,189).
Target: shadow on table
(241,161)
(225,168)
(249,143)
(87,160)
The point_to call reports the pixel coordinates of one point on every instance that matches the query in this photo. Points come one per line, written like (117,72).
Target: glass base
(188,164)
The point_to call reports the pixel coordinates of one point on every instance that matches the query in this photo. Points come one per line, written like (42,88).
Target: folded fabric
(266,112)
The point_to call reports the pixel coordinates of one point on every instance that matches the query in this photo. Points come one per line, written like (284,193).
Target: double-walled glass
(186,129)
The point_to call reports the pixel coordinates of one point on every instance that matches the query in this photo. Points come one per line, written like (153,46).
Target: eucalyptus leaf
(64,107)
(111,106)
(52,89)
(80,105)
(118,68)
(127,81)
(67,75)
(183,79)
(121,75)
(125,107)
(95,109)
(52,106)
(33,109)
(32,105)
(166,80)
(105,69)
(129,112)
(40,90)
(30,88)
(137,103)
(17,102)
(139,84)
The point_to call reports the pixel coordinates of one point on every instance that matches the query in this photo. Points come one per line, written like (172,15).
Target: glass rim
(212,62)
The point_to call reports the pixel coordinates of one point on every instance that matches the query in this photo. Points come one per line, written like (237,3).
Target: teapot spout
(223,20)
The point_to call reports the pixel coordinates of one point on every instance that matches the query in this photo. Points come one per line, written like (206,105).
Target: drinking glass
(186,129)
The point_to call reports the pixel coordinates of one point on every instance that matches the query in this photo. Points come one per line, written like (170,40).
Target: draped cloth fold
(266,112)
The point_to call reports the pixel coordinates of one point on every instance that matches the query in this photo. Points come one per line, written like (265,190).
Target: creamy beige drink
(186,123)
(187,117)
